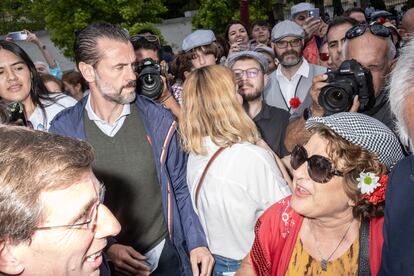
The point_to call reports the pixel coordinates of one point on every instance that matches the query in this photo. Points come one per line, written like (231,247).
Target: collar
(263,114)
(94,117)
(303,70)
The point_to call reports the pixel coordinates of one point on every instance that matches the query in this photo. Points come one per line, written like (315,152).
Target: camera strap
(376,107)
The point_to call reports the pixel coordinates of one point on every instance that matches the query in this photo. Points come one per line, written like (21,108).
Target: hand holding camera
(348,89)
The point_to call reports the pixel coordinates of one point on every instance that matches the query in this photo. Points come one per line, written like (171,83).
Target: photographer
(146,49)
(372,47)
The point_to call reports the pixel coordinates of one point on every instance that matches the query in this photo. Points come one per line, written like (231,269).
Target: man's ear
(9,264)
(87,71)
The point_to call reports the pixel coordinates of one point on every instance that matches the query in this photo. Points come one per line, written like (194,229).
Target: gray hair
(401,80)
(390,47)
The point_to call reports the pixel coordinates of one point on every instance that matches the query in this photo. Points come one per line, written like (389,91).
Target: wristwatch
(44,47)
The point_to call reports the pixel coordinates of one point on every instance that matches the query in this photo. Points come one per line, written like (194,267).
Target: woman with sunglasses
(231,180)
(332,223)
(20,82)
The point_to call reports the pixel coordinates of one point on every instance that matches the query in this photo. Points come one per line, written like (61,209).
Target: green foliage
(16,15)
(64,17)
(215,15)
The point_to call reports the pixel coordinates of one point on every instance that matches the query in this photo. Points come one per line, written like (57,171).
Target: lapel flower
(367,182)
(294,102)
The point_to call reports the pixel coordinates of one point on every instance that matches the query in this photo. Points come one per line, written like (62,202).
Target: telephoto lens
(149,79)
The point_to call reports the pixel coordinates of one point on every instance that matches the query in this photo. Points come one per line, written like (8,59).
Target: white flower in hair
(367,182)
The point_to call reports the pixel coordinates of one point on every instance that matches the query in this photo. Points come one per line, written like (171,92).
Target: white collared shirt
(288,87)
(105,127)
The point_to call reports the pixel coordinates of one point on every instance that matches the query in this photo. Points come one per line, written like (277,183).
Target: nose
(201,60)
(11,75)
(302,171)
(131,73)
(107,225)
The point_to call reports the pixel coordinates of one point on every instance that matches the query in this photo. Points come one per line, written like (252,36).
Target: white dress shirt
(107,128)
(239,186)
(288,87)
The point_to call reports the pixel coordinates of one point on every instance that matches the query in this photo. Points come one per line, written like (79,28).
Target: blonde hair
(210,108)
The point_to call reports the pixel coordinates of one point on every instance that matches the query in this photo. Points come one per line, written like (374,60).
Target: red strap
(204,174)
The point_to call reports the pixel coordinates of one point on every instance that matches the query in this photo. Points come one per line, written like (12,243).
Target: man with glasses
(249,69)
(139,160)
(372,47)
(52,218)
(289,85)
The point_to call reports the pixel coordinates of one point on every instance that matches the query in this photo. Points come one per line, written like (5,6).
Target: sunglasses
(149,38)
(375,28)
(324,56)
(320,169)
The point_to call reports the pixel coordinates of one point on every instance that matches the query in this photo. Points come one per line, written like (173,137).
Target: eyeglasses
(324,56)
(320,169)
(375,28)
(90,222)
(282,44)
(251,73)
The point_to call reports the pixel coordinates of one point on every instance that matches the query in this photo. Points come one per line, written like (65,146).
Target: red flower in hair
(294,102)
(378,195)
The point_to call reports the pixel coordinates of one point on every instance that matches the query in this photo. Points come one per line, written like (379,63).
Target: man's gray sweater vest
(125,164)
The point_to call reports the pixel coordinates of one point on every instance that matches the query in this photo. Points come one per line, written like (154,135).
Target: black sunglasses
(375,28)
(320,169)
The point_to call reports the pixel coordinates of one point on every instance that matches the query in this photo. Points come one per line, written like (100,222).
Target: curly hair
(352,159)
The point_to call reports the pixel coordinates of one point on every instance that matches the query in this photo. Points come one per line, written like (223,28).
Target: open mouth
(301,192)
(94,257)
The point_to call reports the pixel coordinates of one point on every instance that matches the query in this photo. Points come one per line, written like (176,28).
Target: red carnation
(379,193)
(295,102)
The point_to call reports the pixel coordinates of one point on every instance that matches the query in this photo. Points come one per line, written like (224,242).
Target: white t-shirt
(240,185)
(39,121)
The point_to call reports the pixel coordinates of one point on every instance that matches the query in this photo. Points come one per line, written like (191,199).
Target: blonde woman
(243,179)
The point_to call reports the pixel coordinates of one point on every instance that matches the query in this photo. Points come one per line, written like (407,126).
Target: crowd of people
(273,150)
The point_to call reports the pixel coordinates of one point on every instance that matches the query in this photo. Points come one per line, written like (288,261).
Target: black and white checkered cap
(364,131)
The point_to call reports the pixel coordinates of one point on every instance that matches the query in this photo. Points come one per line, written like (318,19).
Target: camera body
(149,79)
(350,80)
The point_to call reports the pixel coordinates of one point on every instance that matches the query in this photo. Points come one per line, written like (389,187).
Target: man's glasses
(320,169)
(251,73)
(375,28)
(324,56)
(282,44)
(91,218)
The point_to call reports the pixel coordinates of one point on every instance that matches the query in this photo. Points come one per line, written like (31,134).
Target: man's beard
(250,97)
(110,93)
(291,63)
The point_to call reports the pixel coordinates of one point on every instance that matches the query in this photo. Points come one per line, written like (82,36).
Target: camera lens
(335,99)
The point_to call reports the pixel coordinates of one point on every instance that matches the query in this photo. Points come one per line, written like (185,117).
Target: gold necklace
(324,261)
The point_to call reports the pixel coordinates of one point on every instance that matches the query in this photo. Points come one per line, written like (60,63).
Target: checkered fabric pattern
(364,131)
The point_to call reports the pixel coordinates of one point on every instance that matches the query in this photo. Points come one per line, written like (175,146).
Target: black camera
(350,80)
(149,79)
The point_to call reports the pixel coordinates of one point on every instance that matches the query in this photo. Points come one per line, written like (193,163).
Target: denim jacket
(184,228)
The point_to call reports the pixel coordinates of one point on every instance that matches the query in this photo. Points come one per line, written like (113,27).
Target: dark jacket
(183,225)
(398,249)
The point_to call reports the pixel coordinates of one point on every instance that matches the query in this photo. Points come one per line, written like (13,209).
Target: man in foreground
(52,218)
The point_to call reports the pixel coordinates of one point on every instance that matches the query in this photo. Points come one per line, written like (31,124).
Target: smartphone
(314,13)
(17,116)
(21,35)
